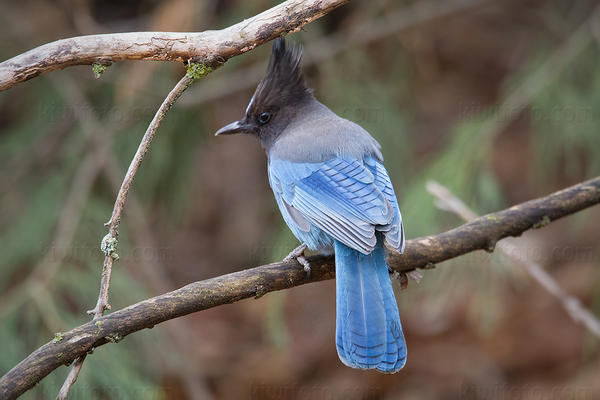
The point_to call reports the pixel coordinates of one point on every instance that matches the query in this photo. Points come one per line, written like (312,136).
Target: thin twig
(210,49)
(110,241)
(479,234)
(152,271)
(177,91)
(159,281)
(71,377)
(447,201)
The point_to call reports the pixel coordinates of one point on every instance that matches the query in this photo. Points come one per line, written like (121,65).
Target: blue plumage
(349,204)
(333,192)
(368,328)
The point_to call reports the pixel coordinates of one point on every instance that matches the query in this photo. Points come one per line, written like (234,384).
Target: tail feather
(368,329)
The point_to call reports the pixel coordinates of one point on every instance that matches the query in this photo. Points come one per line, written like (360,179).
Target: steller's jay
(333,191)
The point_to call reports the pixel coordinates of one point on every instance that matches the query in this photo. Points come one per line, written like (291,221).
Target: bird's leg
(298,255)
(403,277)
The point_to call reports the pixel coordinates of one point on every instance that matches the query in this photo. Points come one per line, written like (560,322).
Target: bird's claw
(297,252)
(403,277)
(298,255)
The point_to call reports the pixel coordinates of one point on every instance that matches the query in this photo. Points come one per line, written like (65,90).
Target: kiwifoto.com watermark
(55,112)
(363,115)
(132,254)
(526,392)
(316,392)
(556,114)
(526,252)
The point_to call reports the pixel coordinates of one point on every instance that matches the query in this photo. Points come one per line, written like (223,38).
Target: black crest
(284,82)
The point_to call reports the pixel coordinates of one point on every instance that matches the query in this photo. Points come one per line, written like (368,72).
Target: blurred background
(497,100)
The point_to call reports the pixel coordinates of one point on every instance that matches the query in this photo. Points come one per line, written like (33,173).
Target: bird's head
(277,98)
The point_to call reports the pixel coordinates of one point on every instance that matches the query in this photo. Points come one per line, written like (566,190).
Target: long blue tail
(368,329)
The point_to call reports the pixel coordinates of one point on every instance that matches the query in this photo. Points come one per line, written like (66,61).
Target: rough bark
(480,234)
(209,47)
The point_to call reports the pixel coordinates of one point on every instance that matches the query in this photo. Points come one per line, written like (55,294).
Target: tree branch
(205,51)
(447,201)
(110,241)
(208,47)
(105,49)
(483,233)
(479,234)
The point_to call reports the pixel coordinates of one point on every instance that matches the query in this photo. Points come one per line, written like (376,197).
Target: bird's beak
(232,128)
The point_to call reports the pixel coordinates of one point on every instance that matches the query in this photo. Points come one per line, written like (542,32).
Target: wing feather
(394,231)
(340,196)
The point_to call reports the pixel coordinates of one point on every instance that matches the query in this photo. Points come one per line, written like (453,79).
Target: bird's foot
(403,277)
(298,255)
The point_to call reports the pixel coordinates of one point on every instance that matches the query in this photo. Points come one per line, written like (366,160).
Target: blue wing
(346,198)
(394,231)
(349,200)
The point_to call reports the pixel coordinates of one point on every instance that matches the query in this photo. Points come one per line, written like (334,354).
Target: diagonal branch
(480,234)
(202,52)
(510,247)
(110,241)
(208,47)
(195,70)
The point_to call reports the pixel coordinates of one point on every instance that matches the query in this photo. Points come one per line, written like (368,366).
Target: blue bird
(334,193)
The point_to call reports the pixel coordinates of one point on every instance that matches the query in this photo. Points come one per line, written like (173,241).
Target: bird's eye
(264,117)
